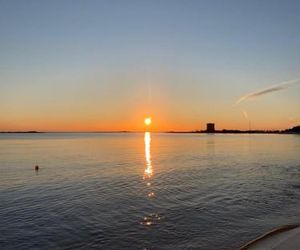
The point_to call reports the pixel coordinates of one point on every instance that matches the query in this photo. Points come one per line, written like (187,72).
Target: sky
(106,65)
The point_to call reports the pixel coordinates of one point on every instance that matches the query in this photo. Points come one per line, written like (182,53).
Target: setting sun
(148,121)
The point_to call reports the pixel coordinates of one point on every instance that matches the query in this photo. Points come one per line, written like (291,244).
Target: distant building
(210,127)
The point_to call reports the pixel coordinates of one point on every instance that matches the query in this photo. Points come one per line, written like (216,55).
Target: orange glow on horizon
(135,122)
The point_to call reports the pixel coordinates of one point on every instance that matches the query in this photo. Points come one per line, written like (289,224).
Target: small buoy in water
(36,167)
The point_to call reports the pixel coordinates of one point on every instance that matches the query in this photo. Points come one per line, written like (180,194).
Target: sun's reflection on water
(148,171)
(152,218)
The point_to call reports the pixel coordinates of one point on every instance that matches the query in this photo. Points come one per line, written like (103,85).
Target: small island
(20,132)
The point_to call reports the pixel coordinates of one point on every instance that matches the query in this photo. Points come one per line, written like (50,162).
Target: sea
(145,190)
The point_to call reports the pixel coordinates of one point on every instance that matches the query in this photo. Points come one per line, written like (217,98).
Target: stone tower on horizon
(210,127)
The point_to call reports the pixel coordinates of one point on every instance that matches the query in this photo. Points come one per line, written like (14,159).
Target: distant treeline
(294,130)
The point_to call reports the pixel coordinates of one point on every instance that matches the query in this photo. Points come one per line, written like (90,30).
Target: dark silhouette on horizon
(210,127)
(294,130)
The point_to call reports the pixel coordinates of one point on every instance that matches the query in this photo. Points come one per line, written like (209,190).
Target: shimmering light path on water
(153,191)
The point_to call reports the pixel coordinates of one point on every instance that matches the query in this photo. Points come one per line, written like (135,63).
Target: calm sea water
(145,191)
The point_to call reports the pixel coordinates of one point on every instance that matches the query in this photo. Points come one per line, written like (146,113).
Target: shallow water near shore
(145,190)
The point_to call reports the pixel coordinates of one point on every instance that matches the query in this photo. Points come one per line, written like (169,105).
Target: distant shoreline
(166,132)
(20,132)
(234,132)
(294,130)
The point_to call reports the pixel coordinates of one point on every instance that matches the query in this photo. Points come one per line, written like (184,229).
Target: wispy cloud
(273,88)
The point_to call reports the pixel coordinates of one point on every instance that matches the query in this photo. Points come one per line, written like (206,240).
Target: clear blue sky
(105,64)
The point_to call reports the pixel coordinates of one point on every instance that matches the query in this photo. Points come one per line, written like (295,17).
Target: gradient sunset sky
(106,65)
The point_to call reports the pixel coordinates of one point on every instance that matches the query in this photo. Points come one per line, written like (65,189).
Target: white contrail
(273,88)
(247,118)
(245,115)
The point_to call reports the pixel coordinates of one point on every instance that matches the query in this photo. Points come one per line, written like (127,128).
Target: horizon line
(142,131)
